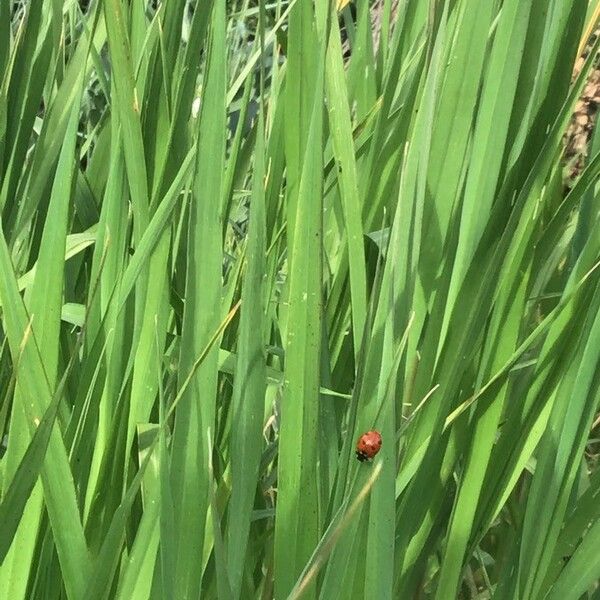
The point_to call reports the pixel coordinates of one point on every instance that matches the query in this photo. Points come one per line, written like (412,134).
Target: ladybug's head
(362,456)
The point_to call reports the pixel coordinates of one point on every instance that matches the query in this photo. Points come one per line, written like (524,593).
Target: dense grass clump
(236,236)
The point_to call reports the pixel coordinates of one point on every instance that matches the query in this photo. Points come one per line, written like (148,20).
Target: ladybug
(368,445)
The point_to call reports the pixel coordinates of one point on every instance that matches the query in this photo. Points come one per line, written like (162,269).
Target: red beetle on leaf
(368,445)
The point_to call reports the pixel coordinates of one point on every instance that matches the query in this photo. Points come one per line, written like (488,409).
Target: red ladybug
(368,445)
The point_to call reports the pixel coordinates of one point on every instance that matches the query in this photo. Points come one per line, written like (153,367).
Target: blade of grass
(250,381)
(190,477)
(343,148)
(297,528)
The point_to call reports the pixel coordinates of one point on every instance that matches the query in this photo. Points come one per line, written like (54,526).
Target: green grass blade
(250,380)
(580,574)
(18,492)
(298,529)
(196,414)
(343,147)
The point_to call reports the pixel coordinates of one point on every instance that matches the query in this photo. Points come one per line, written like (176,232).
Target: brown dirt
(581,127)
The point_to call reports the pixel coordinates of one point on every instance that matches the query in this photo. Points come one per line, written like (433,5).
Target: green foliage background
(228,249)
